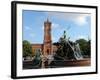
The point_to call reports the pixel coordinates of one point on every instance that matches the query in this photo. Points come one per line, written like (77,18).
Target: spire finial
(47,20)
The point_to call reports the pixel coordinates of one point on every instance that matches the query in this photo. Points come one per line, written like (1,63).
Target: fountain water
(76,50)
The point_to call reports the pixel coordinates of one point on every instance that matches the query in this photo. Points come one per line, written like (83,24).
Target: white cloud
(55,25)
(81,20)
(78,18)
(53,38)
(32,35)
(27,28)
(42,27)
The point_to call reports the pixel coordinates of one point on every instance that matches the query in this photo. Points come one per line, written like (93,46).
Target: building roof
(36,44)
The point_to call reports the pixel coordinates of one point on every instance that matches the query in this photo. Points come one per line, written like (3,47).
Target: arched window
(48,51)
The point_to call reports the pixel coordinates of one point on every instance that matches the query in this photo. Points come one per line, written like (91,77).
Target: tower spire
(47,19)
(47,48)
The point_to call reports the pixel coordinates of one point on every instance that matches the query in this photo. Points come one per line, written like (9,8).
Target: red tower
(47,45)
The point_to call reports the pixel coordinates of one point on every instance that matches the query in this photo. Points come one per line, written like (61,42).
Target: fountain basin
(60,63)
(71,63)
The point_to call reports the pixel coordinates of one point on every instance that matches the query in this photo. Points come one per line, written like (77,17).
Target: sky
(76,25)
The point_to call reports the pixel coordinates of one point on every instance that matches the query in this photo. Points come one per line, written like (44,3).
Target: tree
(27,49)
(89,48)
(85,46)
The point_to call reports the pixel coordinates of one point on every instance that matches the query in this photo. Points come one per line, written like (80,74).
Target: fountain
(49,61)
(76,51)
(76,59)
(75,48)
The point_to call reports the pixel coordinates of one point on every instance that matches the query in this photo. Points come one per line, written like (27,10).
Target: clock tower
(47,46)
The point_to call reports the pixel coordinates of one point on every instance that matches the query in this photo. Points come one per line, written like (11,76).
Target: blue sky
(77,25)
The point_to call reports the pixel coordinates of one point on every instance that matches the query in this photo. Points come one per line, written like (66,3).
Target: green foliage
(85,47)
(27,49)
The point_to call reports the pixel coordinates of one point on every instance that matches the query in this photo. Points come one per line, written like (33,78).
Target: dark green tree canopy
(85,46)
(27,49)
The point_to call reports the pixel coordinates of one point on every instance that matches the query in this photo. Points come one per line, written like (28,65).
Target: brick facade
(47,47)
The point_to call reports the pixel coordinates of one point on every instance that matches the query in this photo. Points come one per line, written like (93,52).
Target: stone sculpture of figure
(44,61)
(65,36)
(37,59)
(50,58)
